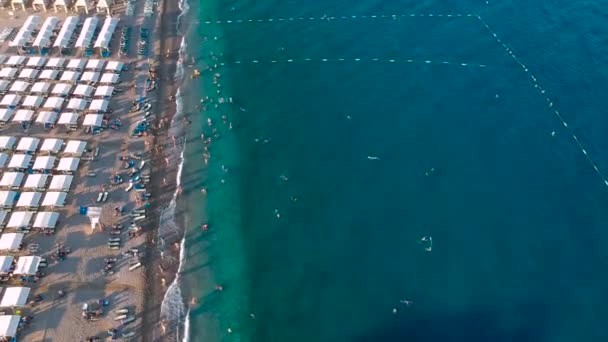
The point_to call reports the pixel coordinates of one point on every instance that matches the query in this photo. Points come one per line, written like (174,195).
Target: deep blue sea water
(515,209)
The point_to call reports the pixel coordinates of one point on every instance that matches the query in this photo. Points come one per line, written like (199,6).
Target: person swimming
(427,240)
(373,158)
(283,177)
(406,302)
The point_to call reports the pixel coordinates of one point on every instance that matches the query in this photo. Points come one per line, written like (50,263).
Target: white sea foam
(187,327)
(179,69)
(173,309)
(184,8)
(167,222)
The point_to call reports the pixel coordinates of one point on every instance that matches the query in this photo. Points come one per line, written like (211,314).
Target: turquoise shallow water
(516,213)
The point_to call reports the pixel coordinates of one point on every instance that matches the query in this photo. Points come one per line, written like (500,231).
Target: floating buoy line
(534,80)
(336,18)
(350,60)
(542,91)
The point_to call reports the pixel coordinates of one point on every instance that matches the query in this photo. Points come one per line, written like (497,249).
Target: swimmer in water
(553,133)
(428,241)
(294,199)
(406,302)
(373,158)
(283,177)
(430,172)
(348,117)
(394,311)
(276,213)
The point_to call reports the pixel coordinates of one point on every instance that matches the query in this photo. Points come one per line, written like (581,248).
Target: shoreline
(159,274)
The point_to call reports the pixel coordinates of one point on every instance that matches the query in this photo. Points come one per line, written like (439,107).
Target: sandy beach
(79,275)
(161,271)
